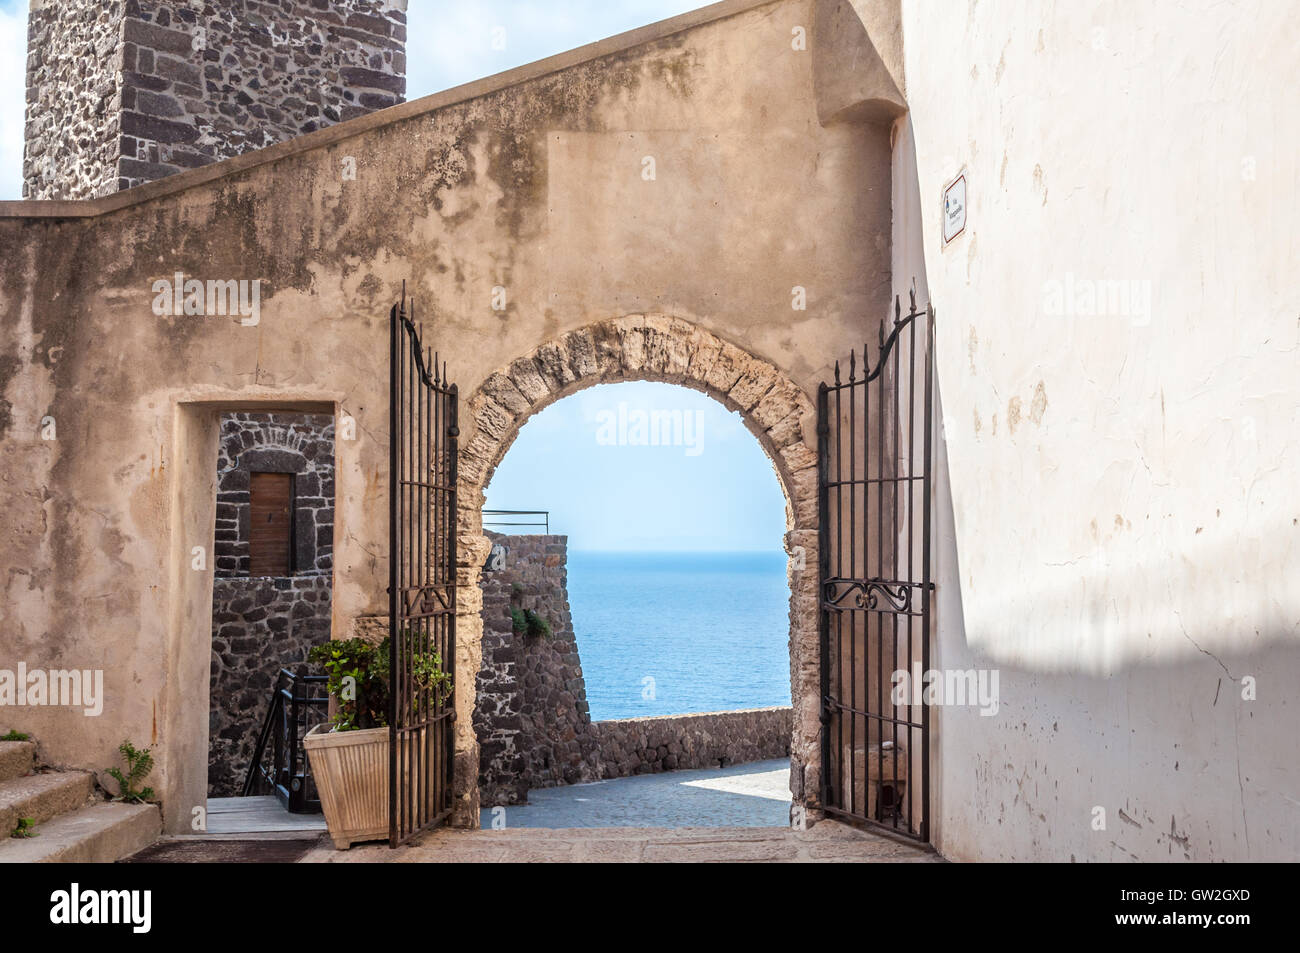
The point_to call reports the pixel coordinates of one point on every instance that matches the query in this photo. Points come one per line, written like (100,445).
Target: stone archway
(670,350)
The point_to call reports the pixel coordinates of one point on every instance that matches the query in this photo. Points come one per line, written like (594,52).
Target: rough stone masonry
(531,714)
(122,93)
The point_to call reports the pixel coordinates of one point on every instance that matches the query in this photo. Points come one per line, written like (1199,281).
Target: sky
(13,95)
(706,486)
(449,42)
(715,490)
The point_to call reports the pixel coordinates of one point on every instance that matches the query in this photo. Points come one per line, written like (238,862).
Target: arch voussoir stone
(528,380)
(582,354)
(501,389)
(552,360)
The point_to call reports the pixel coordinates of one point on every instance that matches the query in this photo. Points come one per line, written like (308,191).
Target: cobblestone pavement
(826,842)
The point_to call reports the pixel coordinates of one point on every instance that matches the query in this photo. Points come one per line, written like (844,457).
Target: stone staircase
(72,823)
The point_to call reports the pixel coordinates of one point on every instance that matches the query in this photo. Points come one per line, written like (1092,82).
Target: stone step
(99,833)
(42,796)
(17,758)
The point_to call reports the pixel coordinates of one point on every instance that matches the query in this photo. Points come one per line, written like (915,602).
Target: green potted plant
(350,755)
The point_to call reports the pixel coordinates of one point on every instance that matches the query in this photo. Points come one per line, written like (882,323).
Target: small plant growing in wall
(139,762)
(26,828)
(527,622)
(15,736)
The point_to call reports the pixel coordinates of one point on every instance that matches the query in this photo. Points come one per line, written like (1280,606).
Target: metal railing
(298,704)
(544,522)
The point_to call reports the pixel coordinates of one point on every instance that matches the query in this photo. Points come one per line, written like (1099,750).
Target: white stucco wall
(1119,523)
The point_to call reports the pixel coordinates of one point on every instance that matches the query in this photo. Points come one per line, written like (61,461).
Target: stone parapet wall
(717,739)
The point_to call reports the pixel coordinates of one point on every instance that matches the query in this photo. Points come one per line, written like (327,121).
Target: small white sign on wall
(954,208)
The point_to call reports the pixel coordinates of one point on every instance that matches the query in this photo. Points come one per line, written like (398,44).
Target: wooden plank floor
(257,815)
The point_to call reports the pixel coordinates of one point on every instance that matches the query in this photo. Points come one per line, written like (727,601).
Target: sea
(673,633)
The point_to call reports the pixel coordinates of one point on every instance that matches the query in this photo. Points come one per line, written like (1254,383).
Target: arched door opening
(682,600)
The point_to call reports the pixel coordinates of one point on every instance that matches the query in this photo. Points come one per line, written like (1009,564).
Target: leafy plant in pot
(350,756)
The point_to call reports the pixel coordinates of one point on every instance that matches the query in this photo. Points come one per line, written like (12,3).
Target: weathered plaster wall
(1117,523)
(531,183)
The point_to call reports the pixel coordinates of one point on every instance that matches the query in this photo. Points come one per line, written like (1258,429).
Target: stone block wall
(261,624)
(719,739)
(73,112)
(531,715)
(301,444)
(121,93)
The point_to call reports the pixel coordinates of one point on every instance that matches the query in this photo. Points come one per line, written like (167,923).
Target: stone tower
(122,92)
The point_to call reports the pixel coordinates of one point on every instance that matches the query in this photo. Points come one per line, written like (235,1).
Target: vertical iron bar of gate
(394,552)
(925,569)
(910,815)
(823,570)
(452,460)
(895,574)
(853,562)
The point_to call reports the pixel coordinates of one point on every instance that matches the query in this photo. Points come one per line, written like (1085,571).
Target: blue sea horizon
(670,633)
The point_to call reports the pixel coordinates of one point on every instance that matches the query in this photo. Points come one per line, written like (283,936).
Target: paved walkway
(738,814)
(826,842)
(746,795)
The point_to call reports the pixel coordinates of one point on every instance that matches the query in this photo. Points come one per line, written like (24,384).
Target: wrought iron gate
(421,583)
(874,456)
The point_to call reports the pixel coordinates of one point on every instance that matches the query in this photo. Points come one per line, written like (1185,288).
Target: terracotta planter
(351,773)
